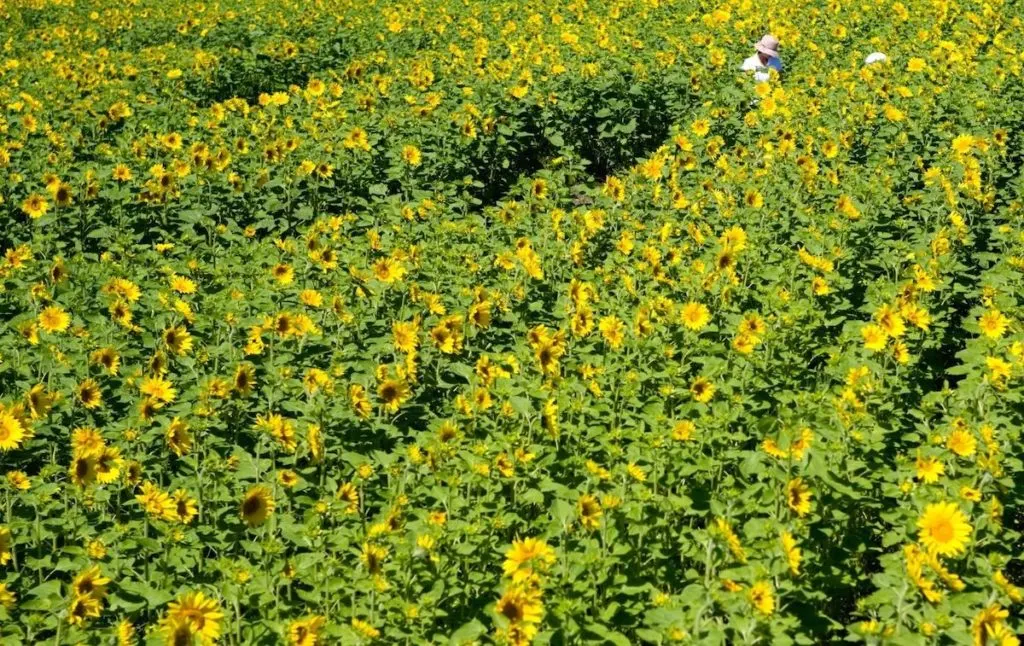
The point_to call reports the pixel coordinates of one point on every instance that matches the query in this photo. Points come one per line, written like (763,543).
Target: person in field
(764,59)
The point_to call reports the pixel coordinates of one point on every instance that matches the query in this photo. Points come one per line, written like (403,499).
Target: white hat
(875,57)
(768,45)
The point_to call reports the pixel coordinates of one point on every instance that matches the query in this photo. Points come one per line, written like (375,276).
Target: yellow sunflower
(373,557)
(178,340)
(532,551)
(411,155)
(393,393)
(177,631)
(245,378)
(257,506)
(90,583)
(943,529)
(306,632)
(388,270)
(988,627)
(695,315)
(183,285)
(35,206)
(87,441)
(202,613)
(185,508)
(82,471)
(520,606)
(7,598)
(108,464)
(405,335)
(54,319)
(962,443)
(590,511)
(993,324)
(179,439)
(5,545)
(89,394)
(762,597)
(19,480)
(12,432)
(108,358)
(158,389)
(798,496)
(40,401)
(83,609)
(702,389)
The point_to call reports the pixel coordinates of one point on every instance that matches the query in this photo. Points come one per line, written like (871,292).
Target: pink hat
(768,45)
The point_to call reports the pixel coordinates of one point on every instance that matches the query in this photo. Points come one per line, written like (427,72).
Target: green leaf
(467,633)
(608,635)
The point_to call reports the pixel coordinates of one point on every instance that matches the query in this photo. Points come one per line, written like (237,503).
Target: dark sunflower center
(252,506)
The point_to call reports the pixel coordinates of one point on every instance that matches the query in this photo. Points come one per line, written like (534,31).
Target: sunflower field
(511,322)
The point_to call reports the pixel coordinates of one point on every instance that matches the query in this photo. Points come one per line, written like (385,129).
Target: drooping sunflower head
(83,609)
(91,582)
(348,494)
(988,626)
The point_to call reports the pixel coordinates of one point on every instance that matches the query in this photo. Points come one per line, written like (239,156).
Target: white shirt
(760,70)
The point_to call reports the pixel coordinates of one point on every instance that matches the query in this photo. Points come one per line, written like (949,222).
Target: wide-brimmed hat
(768,45)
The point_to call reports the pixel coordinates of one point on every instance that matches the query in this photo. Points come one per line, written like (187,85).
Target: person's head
(767,48)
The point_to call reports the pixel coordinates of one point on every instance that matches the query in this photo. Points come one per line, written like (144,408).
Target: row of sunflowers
(416,322)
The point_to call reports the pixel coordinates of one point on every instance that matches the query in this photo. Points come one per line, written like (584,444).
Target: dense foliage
(510,322)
